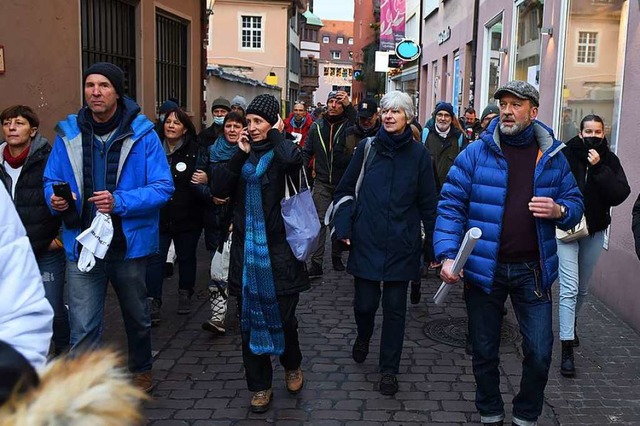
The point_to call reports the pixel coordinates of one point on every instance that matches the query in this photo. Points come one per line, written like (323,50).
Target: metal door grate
(171,60)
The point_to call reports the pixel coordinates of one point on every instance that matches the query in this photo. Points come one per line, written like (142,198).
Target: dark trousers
(520,281)
(186,244)
(258,368)
(394,310)
(322,197)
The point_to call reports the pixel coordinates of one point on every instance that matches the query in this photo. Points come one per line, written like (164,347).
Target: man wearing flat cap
(113,162)
(516,186)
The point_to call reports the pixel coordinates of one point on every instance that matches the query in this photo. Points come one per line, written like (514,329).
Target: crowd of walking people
(108,198)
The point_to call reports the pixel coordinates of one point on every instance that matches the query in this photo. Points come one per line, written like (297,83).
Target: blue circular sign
(408,50)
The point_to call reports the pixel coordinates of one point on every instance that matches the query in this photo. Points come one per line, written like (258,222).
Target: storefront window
(593,61)
(527,36)
(492,62)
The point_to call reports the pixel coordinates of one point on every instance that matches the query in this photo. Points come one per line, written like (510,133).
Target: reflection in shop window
(491,74)
(587,44)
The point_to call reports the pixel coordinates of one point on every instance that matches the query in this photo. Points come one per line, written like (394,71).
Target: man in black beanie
(113,163)
(326,142)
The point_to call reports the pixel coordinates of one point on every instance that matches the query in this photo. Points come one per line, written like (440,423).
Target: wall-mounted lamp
(503,50)
(548,31)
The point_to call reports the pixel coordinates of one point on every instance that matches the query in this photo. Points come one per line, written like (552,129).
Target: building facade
(310,55)
(157,44)
(583,57)
(366,19)
(406,77)
(336,56)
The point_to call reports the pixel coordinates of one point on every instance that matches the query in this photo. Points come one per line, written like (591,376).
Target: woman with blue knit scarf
(263,273)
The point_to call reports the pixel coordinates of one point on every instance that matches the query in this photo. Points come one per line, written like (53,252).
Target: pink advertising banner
(392,20)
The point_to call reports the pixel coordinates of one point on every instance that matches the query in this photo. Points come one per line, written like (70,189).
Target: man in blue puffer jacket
(113,162)
(516,186)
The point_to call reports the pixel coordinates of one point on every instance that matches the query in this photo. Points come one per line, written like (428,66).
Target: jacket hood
(543,134)
(89,389)
(132,121)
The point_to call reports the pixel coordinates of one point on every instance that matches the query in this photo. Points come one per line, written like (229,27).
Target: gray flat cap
(520,89)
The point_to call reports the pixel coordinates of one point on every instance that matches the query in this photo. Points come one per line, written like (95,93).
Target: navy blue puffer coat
(475,193)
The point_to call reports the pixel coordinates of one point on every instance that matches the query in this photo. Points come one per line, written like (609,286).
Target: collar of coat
(547,143)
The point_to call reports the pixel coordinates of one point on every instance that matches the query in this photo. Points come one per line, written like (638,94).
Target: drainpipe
(420,23)
(204,13)
(474,51)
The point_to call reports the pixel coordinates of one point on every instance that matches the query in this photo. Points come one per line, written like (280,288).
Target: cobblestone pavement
(200,379)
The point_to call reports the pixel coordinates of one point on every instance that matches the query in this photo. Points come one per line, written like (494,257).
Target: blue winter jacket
(144,182)
(475,193)
(397,192)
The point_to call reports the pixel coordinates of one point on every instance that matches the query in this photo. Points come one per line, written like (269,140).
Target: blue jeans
(394,312)
(186,244)
(520,281)
(52,265)
(87,293)
(577,261)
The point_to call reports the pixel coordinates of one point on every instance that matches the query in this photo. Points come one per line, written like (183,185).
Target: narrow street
(200,379)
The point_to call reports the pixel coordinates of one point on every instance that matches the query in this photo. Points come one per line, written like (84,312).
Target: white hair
(398,100)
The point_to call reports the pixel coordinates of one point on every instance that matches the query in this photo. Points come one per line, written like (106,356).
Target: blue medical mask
(218,120)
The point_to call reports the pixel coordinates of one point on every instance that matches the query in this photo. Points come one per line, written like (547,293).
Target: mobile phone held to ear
(63,190)
(70,217)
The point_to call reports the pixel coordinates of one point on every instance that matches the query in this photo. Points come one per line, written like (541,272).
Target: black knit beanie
(113,73)
(266,106)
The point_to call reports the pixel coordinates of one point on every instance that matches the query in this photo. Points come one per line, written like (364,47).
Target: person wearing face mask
(181,217)
(367,123)
(219,108)
(218,211)
(603,183)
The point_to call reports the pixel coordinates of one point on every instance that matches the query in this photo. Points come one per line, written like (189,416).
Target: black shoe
(168,269)
(360,350)
(315,270)
(499,423)
(414,297)
(567,366)
(576,340)
(388,384)
(154,310)
(336,261)
(184,302)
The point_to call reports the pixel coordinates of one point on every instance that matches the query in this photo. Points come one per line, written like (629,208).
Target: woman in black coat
(181,217)
(603,184)
(263,273)
(382,227)
(23,157)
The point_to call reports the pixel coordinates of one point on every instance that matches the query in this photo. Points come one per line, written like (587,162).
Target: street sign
(408,50)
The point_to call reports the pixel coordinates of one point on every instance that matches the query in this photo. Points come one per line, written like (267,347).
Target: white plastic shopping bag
(95,241)
(220,262)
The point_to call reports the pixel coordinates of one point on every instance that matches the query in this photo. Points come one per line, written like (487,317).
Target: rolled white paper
(470,239)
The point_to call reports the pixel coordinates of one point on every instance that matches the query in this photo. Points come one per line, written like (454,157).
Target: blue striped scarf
(260,310)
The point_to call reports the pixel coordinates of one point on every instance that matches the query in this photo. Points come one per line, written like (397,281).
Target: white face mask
(162,117)
(218,120)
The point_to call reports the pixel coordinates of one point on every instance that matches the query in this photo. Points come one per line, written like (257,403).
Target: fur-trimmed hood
(91,389)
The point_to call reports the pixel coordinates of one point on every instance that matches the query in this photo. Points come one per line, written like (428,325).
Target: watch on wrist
(563,211)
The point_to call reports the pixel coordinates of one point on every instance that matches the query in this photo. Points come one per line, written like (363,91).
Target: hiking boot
(294,380)
(415,295)
(360,350)
(388,384)
(315,270)
(154,310)
(261,400)
(337,264)
(143,381)
(567,367)
(215,327)
(184,302)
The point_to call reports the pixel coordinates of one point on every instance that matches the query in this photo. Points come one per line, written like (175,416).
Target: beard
(442,127)
(516,129)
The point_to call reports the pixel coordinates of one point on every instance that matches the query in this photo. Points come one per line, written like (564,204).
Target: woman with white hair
(381,224)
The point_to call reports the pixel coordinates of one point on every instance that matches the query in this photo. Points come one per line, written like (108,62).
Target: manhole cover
(452,332)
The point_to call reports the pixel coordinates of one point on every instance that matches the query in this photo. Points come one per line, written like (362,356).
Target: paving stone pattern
(200,378)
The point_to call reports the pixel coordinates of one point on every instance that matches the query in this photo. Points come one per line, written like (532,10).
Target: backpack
(333,208)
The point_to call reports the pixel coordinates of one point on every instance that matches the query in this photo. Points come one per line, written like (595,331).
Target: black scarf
(108,126)
(393,141)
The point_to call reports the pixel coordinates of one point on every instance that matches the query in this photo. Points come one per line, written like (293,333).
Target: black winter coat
(217,217)
(603,185)
(184,210)
(326,143)
(444,150)
(208,136)
(289,274)
(397,192)
(42,227)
